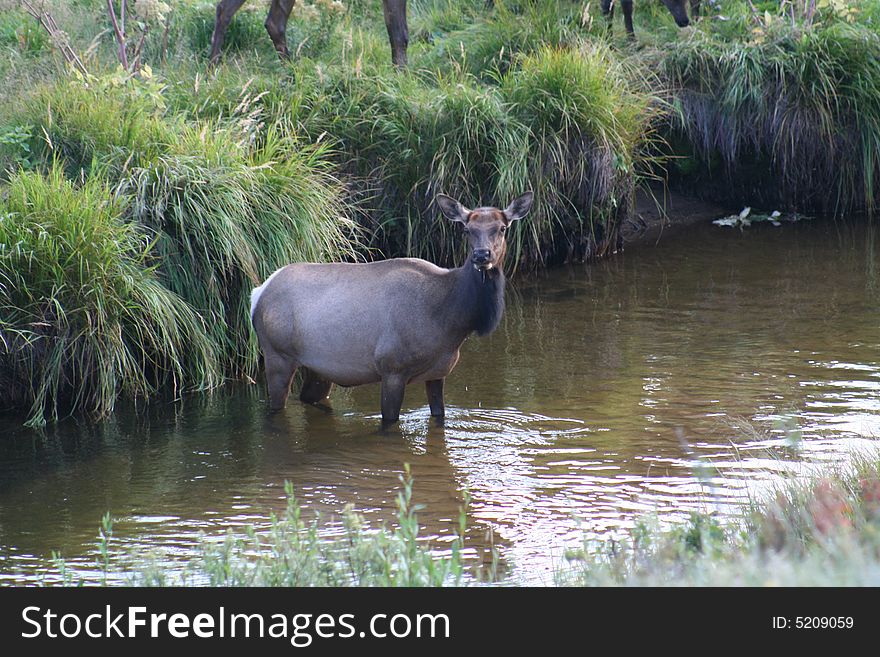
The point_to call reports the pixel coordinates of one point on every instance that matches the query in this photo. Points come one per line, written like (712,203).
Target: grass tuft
(84,316)
(225,215)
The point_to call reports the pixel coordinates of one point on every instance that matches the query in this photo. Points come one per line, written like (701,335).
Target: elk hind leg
(314,389)
(279,373)
(276,25)
(435,397)
(627,7)
(225,11)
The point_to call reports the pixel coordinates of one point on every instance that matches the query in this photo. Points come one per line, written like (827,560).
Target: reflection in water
(594,401)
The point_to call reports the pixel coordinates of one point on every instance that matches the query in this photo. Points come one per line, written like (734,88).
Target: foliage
(18,31)
(226,215)
(294,553)
(817,530)
(84,317)
(109,122)
(796,107)
(238,169)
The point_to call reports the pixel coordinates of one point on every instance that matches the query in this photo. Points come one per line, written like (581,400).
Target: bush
(225,215)
(792,114)
(293,553)
(109,122)
(22,33)
(489,46)
(572,124)
(590,128)
(83,317)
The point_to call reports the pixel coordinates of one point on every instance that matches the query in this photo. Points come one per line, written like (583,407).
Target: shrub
(488,47)
(111,122)
(20,32)
(83,317)
(225,215)
(793,114)
(590,130)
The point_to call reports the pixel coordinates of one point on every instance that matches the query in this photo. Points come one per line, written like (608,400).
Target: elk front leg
(435,397)
(608,12)
(398,33)
(276,25)
(393,387)
(627,7)
(225,11)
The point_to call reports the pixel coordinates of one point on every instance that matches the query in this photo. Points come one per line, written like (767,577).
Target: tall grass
(83,316)
(488,44)
(575,125)
(226,214)
(222,201)
(108,122)
(21,34)
(789,117)
(591,128)
(817,530)
(295,553)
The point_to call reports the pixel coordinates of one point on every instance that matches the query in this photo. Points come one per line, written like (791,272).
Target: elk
(393,322)
(676,8)
(276,25)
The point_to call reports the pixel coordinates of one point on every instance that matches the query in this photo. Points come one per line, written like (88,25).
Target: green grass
(236,170)
(223,203)
(488,45)
(107,122)
(817,530)
(821,529)
(20,34)
(84,316)
(783,114)
(293,552)
(574,125)
(590,121)
(226,214)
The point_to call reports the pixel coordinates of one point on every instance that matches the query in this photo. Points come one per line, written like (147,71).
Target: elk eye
(503,229)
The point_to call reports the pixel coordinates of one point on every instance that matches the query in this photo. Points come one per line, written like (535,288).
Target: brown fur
(394,321)
(276,25)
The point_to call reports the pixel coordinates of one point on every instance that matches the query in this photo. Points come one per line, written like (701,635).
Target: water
(661,381)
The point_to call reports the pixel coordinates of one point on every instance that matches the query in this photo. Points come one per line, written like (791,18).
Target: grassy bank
(813,530)
(818,530)
(294,553)
(84,314)
(780,111)
(233,171)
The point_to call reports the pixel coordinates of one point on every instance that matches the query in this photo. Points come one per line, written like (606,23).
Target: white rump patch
(258,291)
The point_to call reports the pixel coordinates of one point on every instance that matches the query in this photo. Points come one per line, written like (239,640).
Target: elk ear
(519,208)
(452,209)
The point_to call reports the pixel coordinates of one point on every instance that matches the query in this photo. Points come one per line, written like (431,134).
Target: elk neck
(478,298)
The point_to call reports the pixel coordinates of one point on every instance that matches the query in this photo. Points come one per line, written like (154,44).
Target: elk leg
(608,11)
(225,11)
(276,25)
(314,388)
(398,34)
(627,7)
(392,398)
(279,374)
(695,9)
(435,397)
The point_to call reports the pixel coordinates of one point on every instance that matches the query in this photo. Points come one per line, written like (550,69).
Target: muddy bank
(660,213)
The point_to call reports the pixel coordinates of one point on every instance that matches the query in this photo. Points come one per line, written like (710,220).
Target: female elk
(392,322)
